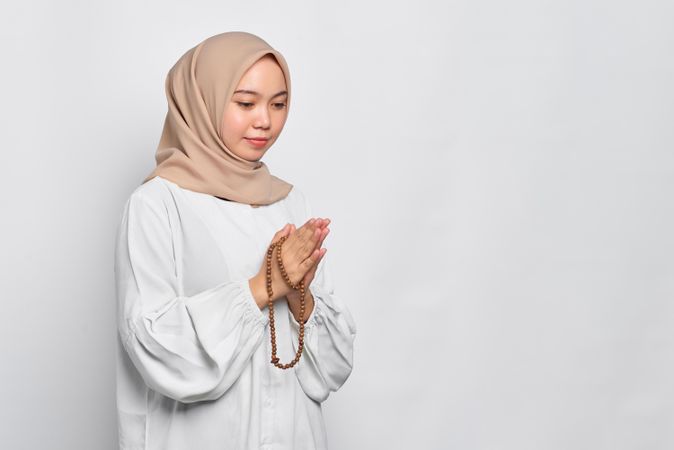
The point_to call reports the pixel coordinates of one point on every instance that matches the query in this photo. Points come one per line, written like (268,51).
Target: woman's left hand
(322,224)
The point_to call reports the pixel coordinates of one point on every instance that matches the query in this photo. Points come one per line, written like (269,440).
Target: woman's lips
(258,143)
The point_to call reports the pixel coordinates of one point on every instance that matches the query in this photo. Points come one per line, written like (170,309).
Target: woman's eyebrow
(246,91)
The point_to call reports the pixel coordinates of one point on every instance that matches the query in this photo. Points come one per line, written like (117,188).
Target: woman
(195,368)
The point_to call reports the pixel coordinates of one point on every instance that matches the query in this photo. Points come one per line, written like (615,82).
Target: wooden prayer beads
(299,286)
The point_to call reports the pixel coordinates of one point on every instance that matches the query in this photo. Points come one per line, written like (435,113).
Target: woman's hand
(301,255)
(309,276)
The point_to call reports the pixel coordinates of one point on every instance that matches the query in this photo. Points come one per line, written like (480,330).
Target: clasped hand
(301,254)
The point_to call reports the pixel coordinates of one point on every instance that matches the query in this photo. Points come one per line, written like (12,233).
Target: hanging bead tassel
(298,287)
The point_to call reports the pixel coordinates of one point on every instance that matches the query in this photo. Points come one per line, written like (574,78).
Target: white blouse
(193,360)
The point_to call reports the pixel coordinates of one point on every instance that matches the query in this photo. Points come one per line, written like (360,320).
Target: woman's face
(258,109)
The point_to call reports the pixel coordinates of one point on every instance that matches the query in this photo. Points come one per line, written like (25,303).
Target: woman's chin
(255,157)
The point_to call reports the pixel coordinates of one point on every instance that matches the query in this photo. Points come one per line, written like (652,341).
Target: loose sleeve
(329,333)
(189,348)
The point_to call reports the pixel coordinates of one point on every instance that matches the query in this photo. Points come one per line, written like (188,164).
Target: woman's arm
(329,333)
(330,330)
(186,348)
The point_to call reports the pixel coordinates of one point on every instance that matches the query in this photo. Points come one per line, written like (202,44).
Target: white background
(499,176)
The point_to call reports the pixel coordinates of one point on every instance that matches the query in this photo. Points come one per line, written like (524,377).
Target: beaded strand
(299,286)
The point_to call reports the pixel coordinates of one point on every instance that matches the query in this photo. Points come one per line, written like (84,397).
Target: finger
(312,234)
(311,260)
(321,254)
(299,239)
(309,223)
(312,271)
(309,244)
(303,232)
(318,222)
(326,231)
(309,277)
(322,236)
(315,223)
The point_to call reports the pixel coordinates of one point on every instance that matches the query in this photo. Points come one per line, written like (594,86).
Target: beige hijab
(191,152)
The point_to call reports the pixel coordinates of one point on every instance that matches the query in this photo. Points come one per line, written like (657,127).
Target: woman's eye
(245,104)
(280,105)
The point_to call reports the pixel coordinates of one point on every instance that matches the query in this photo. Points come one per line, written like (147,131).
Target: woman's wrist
(294,303)
(259,291)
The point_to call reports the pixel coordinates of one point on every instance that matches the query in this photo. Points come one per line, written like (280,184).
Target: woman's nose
(262,118)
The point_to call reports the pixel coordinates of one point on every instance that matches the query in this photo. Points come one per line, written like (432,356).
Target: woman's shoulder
(147,204)
(154,192)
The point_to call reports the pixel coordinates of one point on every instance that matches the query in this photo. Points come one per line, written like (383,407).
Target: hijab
(191,152)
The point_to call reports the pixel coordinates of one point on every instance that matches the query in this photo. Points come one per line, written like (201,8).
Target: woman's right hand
(299,256)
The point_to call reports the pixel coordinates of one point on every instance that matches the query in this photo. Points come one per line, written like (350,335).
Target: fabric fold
(187,348)
(327,359)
